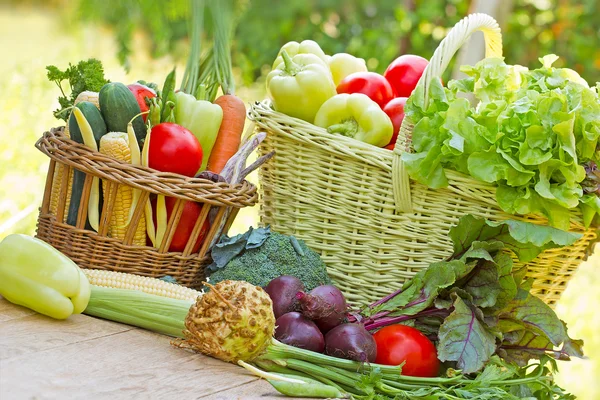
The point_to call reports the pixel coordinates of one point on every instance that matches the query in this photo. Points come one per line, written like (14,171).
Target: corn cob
(116,145)
(56,181)
(120,280)
(92,97)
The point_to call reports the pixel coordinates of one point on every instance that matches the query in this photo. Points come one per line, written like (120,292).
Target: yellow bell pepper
(344,64)
(36,275)
(356,116)
(295,48)
(300,85)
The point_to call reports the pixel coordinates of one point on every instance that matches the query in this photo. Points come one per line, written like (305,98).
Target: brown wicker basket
(90,249)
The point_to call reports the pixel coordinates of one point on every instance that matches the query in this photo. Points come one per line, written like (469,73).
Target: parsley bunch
(86,75)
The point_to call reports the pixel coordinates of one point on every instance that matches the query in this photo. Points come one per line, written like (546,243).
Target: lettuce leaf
(530,134)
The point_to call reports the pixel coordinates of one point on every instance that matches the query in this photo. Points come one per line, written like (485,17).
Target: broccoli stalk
(259,256)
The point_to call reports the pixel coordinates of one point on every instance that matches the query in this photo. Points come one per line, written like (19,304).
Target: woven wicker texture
(337,194)
(90,249)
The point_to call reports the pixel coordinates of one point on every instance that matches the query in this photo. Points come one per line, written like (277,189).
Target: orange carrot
(230,133)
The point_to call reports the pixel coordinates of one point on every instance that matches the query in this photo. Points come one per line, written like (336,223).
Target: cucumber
(118,106)
(94,118)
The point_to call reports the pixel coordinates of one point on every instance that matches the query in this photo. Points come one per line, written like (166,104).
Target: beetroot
(325,305)
(282,291)
(352,342)
(296,330)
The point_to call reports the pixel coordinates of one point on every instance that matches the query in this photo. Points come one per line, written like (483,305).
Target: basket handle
(457,36)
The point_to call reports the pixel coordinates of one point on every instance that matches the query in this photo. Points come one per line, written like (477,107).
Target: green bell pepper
(344,64)
(295,48)
(36,275)
(202,118)
(300,85)
(357,116)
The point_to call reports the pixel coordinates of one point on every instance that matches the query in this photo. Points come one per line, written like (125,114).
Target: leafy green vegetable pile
(476,303)
(532,133)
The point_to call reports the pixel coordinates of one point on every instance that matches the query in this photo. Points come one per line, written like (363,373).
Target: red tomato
(399,343)
(141,92)
(395,110)
(174,149)
(404,73)
(369,83)
(390,146)
(189,216)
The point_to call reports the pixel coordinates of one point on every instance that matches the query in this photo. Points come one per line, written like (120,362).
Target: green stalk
(156,313)
(222,15)
(270,366)
(347,128)
(290,67)
(192,69)
(279,350)
(320,372)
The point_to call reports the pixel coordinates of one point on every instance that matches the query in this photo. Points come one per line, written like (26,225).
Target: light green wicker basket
(355,204)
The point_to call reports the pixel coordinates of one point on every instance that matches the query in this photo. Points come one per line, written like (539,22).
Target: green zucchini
(118,106)
(94,118)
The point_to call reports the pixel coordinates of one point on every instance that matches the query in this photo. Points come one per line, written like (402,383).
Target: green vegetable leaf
(525,239)
(420,292)
(496,370)
(508,280)
(483,285)
(464,338)
(230,247)
(536,316)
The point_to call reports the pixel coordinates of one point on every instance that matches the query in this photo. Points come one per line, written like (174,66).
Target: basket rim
(342,145)
(56,145)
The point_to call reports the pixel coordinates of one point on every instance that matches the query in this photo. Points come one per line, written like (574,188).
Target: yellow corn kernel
(56,181)
(116,145)
(92,97)
(120,280)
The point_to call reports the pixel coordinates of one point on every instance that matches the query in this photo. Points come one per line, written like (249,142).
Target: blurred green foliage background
(143,39)
(377,31)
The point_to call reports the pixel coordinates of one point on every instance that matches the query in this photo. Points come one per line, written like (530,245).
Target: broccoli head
(278,255)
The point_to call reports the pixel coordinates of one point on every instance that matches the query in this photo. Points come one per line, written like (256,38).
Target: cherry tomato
(189,216)
(404,73)
(395,110)
(399,343)
(174,149)
(142,92)
(369,83)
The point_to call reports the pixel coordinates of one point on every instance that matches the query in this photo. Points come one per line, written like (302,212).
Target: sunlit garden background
(144,39)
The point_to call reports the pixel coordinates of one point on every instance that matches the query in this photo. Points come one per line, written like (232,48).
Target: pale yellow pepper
(344,64)
(295,48)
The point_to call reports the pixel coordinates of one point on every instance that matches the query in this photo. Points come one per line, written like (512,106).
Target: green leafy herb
(533,134)
(476,303)
(86,75)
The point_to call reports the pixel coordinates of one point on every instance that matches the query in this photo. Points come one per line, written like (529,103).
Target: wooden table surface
(89,358)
